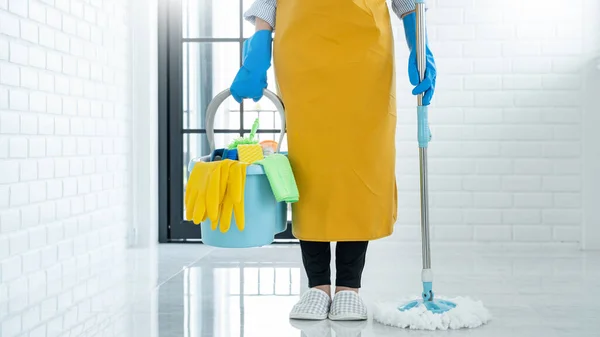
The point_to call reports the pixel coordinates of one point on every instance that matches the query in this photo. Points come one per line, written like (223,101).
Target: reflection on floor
(196,291)
(221,298)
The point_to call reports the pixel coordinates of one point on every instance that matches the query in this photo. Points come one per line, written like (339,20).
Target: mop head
(468,313)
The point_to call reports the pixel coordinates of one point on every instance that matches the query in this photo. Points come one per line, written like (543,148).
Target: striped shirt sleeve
(262,9)
(266,9)
(401,7)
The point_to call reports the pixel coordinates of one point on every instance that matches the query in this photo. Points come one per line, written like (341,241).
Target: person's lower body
(316,303)
(350,262)
(343,195)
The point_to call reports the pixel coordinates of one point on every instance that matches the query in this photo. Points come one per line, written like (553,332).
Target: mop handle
(423,136)
(423,131)
(421,41)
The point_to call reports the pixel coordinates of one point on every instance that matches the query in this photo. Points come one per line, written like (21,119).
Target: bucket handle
(211,112)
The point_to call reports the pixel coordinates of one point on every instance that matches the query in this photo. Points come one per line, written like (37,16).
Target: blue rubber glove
(251,79)
(427,86)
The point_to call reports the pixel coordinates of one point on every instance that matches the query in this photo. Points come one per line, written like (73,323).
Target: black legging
(350,262)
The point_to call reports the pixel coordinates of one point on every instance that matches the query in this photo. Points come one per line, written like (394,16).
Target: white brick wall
(65,117)
(506,120)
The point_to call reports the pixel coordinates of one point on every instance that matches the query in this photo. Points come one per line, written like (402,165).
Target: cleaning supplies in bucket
(281,178)
(214,191)
(269,147)
(200,194)
(250,140)
(233,200)
(250,153)
(249,215)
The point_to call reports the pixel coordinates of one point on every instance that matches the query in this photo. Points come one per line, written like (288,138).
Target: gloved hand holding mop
(427,86)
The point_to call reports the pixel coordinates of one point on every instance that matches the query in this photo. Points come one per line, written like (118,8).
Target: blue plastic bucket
(264,216)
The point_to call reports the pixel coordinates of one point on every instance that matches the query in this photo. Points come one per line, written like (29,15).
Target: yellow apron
(334,63)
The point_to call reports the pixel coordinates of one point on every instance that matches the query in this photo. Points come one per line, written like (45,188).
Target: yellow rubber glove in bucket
(234,198)
(202,192)
(225,167)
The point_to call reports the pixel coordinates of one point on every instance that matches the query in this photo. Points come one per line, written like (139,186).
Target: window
(200,45)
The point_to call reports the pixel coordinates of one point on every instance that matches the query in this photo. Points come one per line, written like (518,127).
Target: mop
(429,312)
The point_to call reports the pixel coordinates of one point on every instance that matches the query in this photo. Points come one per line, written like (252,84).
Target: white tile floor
(193,291)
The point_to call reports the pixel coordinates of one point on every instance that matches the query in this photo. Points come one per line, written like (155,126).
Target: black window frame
(172,226)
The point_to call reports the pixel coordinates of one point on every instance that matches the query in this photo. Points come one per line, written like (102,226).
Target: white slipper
(313,305)
(348,306)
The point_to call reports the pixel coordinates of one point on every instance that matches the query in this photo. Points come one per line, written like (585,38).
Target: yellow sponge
(250,153)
